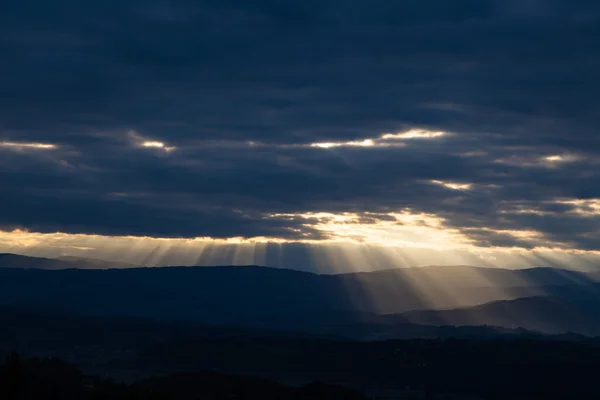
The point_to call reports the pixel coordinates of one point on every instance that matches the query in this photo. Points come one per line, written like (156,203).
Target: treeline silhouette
(484,369)
(410,369)
(51,378)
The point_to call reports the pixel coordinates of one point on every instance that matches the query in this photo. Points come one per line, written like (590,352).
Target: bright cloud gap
(387,140)
(384,140)
(322,256)
(585,208)
(138,140)
(539,161)
(561,158)
(158,145)
(413,134)
(24,145)
(453,185)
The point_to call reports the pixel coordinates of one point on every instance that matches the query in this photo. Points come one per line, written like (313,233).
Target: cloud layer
(265,118)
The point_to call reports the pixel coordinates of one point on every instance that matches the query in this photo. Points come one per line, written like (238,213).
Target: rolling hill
(270,298)
(67,262)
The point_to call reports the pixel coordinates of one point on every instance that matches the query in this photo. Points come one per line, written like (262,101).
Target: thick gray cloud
(513,81)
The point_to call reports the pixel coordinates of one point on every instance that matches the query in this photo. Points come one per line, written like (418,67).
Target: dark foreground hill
(467,363)
(416,369)
(499,369)
(97,340)
(49,378)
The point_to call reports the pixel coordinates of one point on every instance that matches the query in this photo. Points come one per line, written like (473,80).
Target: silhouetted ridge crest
(265,297)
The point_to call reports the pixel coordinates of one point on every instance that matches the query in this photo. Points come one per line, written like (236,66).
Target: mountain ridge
(71,262)
(12,260)
(272,298)
(546,314)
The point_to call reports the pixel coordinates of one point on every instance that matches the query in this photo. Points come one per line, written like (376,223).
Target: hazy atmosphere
(276,133)
(299,200)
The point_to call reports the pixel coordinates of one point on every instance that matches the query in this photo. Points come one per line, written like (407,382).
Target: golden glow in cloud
(548,161)
(526,210)
(453,185)
(410,229)
(384,140)
(158,145)
(144,142)
(413,134)
(583,207)
(578,207)
(394,239)
(353,246)
(358,143)
(525,235)
(405,228)
(387,140)
(401,229)
(331,145)
(26,146)
(564,158)
(353,242)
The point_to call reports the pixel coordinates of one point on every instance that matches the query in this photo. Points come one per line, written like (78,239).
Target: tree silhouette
(12,380)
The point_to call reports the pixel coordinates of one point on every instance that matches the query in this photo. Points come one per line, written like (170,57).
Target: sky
(317,134)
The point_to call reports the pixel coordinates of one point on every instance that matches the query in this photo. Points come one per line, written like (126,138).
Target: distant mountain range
(369,305)
(64,262)
(551,315)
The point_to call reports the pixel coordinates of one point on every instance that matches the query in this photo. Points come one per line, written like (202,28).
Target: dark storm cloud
(514,81)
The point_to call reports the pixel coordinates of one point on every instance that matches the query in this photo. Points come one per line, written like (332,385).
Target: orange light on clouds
(383,140)
(158,145)
(31,146)
(453,185)
(402,238)
(413,134)
(139,140)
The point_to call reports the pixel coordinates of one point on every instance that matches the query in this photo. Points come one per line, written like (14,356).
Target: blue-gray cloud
(513,81)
